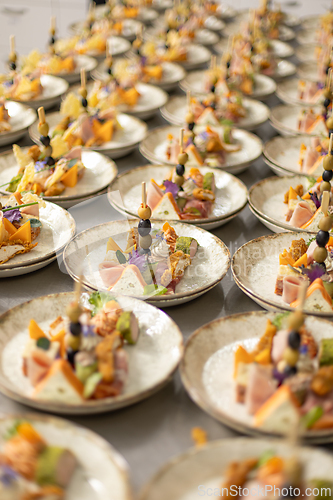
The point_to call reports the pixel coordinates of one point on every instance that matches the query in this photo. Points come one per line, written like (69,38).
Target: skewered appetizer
(153,263)
(81,357)
(47,170)
(266,20)
(19,224)
(4,117)
(157,51)
(135,69)
(310,92)
(31,468)
(90,44)
(286,381)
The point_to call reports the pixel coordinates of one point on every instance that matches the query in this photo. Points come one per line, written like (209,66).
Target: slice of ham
(314,142)
(110,272)
(85,129)
(32,210)
(261,386)
(301,215)
(310,158)
(280,342)
(193,248)
(74,153)
(291,286)
(107,114)
(310,251)
(204,208)
(154,195)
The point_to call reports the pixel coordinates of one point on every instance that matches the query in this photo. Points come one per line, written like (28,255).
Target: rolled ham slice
(310,250)
(310,158)
(74,153)
(302,214)
(110,272)
(291,285)
(154,194)
(86,131)
(32,210)
(280,342)
(261,386)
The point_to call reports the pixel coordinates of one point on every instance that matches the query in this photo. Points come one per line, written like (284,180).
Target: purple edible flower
(143,60)
(320,85)
(12,215)
(313,272)
(39,165)
(171,187)
(315,200)
(88,330)
(7,475)
(137,260)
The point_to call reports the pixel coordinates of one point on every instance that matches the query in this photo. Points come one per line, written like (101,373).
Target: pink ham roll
(302,214)
(291,286)
(110,272)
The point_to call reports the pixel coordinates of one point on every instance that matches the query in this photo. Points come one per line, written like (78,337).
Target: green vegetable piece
(326,352)
(153,290)
(193,210)
(43,343)
(324,486)
(226,122)
(267,455)
(12,431)
(14,183)
(208,181)
(329,288)
(121,257)
(57,132)
(91,384)
(280,320)
(183,243)
(72,162)
(98,300)
(181,202)
(227,135)
(47,465)
(128,326)
(35,223)
(310,418)
(82,371)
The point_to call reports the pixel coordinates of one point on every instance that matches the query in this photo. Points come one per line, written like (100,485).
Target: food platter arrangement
(112,330)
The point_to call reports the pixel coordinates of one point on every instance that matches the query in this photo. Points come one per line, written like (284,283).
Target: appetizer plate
(152,361)
(154,147)
(145,15)
(26,269)
(306,36)
(214,23)
(285,119)
(53,89)
(311,22)
(283,152)
(208,364)
(255,268)
(82,62)
(124,193)
(175,111)
(306,53)
(20,119)
(266,200)
(289,20)
(102,473)
(225,11)
(130,28)
(180,478)
(123,142)
(100,171)
(210,264)
(117,46)
(308,71)
(195,81)
(172,74)
(281,50)
(202,36)
(270,225)
(58,228)
(161,5)
(287,91)
(197,55)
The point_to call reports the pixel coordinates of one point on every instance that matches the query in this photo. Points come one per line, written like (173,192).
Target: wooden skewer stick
(144,194)
(41,115)
(83,78)
(12,44)
(78,288)
(330,145)
(53,24)
(181,140)
(325,202)
(302,296)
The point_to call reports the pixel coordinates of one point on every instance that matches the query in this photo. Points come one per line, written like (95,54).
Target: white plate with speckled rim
(151,361)
(195,82)
(100,171)
(284,152)
(255,267)
(20,119)
(133,130)
(208,364)
(200,471)
(154,148)
(311,22)
(174,111)
(124,193)
(87,250)
(130,28)
(172,74)
(266,198)
(197,56)
(280,50)
(102,473)
(288,92)
(53,89)
(285,119)
(202,36)
(31,268)
(306,53)
(58,228)
(308,71)
(305,36)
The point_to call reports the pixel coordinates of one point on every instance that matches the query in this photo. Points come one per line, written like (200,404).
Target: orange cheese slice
(23,234)
(307,224)
(241,356)
(9,227)
(302,261)
(35,332)
(70,177)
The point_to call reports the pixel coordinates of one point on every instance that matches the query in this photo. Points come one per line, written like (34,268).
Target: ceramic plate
(311,22)
(289,20)
(280,50)
(305,36)
(202,36)
(82,62)
(266,198)
(100,171)
(285,119)
(197,55)
(194,82)
(154,146)
(214,23)
(208,364)
(124,192)
(21,117)
(123,142)
(182,476)
(87,250)
(53,89)
(26,269)
(145,15)
(225,11)
(151,361)
(102,473)
(58,227)
(257,113)
(308,71)
(172,75)
(255,268)
(287,91)
(161,5)
(284,153)
(306,53)
(267,223)
(129,30)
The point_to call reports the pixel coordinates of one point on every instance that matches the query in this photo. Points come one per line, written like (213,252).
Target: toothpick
(78,288)
(325,202)
(144,194)
(181,140)
(53,23)
(12,43)
(83,78)
(302,295)
(41,115)
(330,145)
